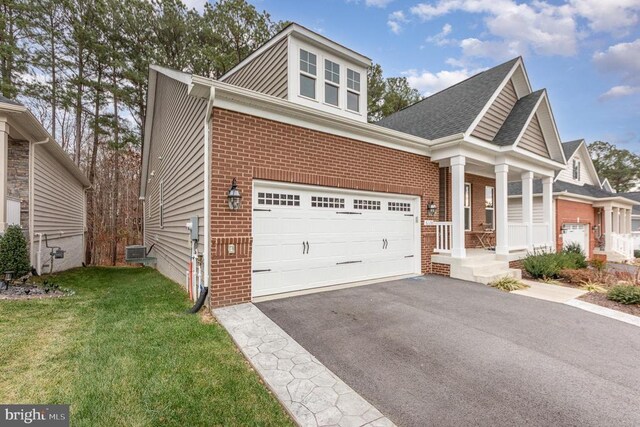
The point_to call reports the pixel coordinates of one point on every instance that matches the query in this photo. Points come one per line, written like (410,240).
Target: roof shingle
(452,110)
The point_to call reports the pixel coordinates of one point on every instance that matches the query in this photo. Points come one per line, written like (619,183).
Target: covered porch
(458,232)
(616,238)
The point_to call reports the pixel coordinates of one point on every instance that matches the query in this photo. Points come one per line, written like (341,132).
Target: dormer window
(331,82)
(576,169)
(308,72)
(353,90)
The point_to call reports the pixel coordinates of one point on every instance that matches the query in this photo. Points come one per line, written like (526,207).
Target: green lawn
(122,351)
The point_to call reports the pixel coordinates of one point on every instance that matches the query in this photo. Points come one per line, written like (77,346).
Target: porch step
(484,269)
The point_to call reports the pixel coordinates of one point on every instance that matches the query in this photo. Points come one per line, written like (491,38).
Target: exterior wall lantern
(234,198)
(431,208)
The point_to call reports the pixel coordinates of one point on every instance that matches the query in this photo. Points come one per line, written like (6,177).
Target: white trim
(304,33)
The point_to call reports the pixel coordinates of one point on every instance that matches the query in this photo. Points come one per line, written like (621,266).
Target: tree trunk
(79,91)
(91,220)
(54,82)
(116,183)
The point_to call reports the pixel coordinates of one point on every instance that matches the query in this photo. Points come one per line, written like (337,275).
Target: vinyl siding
(177,159)
(58,210)
(566,174)
(495,116)
(266,73)
(533,139)
(515,210)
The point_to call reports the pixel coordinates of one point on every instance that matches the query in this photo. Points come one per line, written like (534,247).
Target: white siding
(515,210)
(58,209)
(566,174)
(177,159)
(495,116)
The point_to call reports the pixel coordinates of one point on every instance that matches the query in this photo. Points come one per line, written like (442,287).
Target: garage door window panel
(370,205)
(278,199)
(327,202)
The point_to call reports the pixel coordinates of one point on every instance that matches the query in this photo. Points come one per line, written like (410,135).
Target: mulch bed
(29,291)
(601,299)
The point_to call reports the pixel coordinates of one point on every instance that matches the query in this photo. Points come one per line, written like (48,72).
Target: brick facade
(440,269)
(570,212)
(478,184)
(247,148)
(18,177)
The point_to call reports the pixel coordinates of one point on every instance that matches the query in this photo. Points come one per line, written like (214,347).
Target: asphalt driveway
(438,351)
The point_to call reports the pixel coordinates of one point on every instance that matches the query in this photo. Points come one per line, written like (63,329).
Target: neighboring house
(41,189)
(586,211)
(327,198)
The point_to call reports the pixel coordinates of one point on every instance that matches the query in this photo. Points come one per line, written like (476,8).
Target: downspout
(34,259)
(207,190)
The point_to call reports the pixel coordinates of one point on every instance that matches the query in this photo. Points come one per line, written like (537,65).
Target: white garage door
(306,237)
(576,233)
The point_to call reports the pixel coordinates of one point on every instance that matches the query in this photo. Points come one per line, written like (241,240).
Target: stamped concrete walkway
(312,394)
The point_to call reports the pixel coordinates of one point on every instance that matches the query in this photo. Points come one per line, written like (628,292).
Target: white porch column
(608,227)
(4,165)
(502,200)
(527,205)
(547,210)
(457,207)
(616,220)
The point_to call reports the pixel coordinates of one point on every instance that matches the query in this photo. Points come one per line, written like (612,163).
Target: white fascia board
(308,35)
(148,125)
(555,126)
(272,108)
(597,201)
(586,157)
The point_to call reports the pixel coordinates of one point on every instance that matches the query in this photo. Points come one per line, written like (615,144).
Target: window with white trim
(399,207)
(353,90)
(489,210)
(467,206)
(278,199)
(576,169)
(308,72)
(161,204)
(327,202)
(331,82)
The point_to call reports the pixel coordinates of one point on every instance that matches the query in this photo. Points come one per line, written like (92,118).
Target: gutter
(207,189)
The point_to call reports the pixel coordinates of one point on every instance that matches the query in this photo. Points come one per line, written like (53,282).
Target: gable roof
(306,34)
(6,100)
(452,110)
(570,147)
(517,119)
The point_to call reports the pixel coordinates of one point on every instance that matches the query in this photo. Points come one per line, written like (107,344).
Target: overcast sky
(585,52)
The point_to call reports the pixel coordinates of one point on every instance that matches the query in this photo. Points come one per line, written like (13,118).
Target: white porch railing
(443,237)
(517,236)
(623,244)
(540,235)
(13,212)
(636,239)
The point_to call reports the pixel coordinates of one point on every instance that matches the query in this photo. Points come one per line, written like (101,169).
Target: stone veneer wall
(18,177)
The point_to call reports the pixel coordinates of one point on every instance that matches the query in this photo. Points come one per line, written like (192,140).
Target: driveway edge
(604,311)
(311,393)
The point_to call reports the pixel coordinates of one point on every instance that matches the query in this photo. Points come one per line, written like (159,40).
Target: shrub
(625,294)
(542,265)
(508,284)
(573,248)
(636,253)
(14,255)
(598,263)
(570,259)
(590,286)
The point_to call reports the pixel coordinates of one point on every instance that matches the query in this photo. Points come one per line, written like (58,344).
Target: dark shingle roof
(8,101)
(452,110)
(515,189)
(570,147)
(516,120)
(633,195)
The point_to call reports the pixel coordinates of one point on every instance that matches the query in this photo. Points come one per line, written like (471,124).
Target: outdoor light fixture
(431,208)
(234,197)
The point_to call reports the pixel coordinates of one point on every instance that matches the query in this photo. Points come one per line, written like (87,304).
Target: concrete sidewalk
(549,292)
